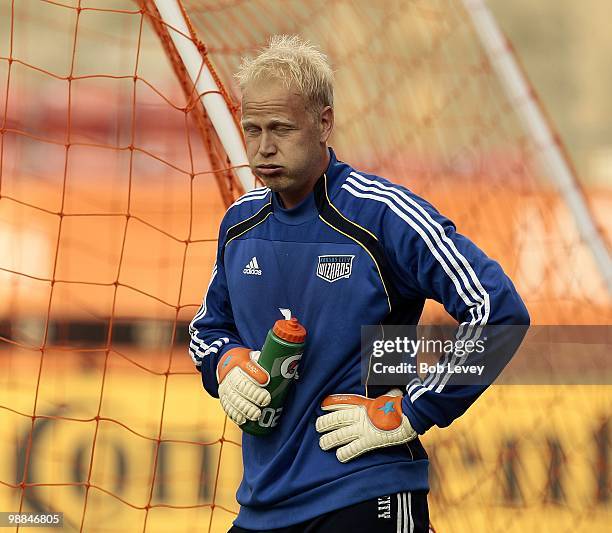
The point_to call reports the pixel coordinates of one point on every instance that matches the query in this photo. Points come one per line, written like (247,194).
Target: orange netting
(112,186)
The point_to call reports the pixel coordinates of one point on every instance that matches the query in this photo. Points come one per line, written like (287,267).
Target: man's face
(285,142)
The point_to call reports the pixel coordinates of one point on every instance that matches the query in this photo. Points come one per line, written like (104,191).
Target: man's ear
(326,123)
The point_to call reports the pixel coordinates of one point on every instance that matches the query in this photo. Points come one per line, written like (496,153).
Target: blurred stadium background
(112,186)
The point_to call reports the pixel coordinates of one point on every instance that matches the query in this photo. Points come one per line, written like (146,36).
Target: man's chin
(275,183)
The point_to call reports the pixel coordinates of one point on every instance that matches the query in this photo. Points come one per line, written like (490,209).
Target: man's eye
(251,131)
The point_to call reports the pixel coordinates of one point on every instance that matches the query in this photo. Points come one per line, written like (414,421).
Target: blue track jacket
(389,250)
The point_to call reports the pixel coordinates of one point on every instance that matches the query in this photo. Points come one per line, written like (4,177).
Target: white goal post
(211,98)
(520,93)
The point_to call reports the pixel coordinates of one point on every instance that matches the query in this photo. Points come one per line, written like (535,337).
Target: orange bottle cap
(290,330)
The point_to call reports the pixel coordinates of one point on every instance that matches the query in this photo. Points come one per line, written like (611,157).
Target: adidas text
(252,268)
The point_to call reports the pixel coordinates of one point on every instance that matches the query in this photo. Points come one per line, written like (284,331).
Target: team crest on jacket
(334,267)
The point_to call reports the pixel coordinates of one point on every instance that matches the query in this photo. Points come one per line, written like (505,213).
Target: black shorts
(405,512)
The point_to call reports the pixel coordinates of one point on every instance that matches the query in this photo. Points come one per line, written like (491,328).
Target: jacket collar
(307,208)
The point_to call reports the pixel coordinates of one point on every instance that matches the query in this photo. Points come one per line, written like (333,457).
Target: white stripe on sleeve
(454,264)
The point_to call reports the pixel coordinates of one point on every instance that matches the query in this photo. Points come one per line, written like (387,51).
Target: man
(395,250)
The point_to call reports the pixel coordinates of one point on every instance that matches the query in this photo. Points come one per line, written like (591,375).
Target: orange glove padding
(241,385)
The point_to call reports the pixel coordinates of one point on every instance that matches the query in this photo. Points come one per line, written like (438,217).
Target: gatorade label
(286,367)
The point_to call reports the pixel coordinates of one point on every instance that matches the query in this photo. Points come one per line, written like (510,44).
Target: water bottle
(280,356)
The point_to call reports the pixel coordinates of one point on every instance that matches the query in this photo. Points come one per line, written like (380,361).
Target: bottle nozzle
(290,330)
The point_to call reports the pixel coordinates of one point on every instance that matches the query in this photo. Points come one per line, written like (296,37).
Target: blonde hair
(296,63)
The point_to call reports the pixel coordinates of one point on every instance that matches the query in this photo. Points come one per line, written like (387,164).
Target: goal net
(112,186)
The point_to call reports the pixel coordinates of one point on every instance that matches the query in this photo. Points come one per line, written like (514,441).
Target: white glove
(241,385)
(359,424)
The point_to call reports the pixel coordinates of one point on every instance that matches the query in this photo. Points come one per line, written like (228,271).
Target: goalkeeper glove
(359,424)
(241,385)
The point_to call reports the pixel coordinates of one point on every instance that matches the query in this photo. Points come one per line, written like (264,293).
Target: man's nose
(267,147)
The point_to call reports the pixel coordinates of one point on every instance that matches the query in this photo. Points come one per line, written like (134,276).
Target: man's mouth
(268,169)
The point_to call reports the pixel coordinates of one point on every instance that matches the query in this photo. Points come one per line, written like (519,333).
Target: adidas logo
(252,268)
